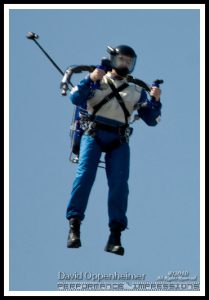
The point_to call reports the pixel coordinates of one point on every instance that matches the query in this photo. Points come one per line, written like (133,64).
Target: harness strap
(122,137)
(118,129)
(120,100)
(138,82)
(123,134)
(108,98)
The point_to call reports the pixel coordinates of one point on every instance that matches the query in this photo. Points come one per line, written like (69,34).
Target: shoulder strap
(107,98)
(138,82)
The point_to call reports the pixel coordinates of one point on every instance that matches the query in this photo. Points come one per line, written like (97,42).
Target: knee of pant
(118,183)
(120,177)
(86,171)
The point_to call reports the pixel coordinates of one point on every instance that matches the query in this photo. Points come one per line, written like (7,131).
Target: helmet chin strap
(123,72)
(115,74)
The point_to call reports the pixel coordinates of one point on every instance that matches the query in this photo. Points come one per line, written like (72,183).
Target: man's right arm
(81,92)
(85,89)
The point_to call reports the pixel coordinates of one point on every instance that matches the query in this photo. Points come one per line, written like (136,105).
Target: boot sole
(74,244)
(119,251)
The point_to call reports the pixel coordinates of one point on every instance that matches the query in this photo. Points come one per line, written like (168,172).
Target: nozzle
(32,36)
(106,64)
(111,50)
(159,81)
(64,88)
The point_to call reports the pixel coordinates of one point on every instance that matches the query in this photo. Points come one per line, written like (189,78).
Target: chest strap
(114,93)
(120,100)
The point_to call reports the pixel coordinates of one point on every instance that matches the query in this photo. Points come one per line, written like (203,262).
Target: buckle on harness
(91,129)
(125,133)
(128,131)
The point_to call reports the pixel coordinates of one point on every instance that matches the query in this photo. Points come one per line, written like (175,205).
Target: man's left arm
(150,109)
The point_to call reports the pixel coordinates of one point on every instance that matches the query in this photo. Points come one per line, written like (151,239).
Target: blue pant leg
(117,170)
(89,157)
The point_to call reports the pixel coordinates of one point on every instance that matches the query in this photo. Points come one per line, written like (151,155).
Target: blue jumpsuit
(117,159)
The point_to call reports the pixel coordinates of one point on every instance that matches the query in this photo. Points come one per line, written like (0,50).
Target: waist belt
(123,131)
(102,126)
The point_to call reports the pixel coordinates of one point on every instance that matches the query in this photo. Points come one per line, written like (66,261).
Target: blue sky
(164,202)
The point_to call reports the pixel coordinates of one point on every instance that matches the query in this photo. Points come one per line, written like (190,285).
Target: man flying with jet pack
(110,98)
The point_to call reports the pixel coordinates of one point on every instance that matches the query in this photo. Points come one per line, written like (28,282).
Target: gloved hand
(155,92)
(97,74)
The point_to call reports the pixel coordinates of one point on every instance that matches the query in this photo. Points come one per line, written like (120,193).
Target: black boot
(114,243)
(74,234)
